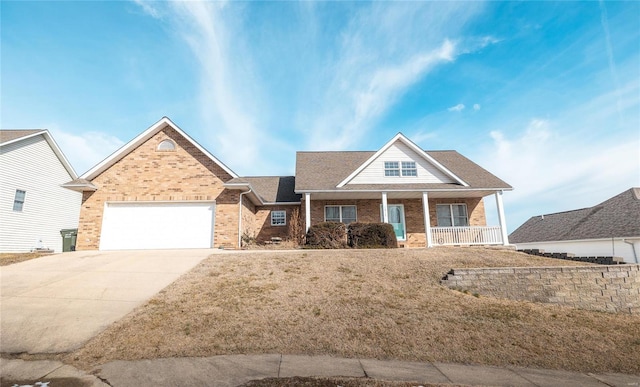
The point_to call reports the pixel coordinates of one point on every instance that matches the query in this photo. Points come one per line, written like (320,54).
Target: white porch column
(385,212)
(427,219)
(501,218)
(307,211)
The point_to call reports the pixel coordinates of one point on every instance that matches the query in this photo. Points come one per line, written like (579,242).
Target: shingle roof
(325,170)
(271,189)
(10,135)
(617,217)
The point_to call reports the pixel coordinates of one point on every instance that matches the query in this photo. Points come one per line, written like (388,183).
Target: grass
(382,304)
(11,258)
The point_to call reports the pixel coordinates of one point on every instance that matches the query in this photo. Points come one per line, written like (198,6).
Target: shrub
(372,236)
(327,235)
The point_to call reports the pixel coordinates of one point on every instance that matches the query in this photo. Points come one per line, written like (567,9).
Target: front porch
(421,219)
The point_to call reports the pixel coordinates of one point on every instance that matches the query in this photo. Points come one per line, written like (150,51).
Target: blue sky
(546,95)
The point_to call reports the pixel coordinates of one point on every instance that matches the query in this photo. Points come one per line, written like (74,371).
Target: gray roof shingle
(271,189)
(10,135)
(325,170)
(617,217)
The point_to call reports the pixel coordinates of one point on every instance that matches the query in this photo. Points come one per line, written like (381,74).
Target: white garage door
(157,225)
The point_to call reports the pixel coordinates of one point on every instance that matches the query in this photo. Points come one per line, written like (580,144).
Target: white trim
(141,138)
(307,211)
(340,206)
(502,219)
(385,208)
(404,190)
(411,145)
(54,146)
(427,218)
(402,218)
(279,224)
(450,205)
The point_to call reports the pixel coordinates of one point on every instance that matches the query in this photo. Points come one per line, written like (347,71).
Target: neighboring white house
(33,206)
(611,228)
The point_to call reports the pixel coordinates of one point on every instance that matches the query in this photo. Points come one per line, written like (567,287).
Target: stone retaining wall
(613,288)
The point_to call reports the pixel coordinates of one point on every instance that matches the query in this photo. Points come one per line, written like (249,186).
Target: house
(611,228)
(34,208)
(164,190)
(431,198)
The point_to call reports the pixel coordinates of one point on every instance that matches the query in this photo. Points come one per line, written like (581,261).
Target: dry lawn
(11,258)
(383,304)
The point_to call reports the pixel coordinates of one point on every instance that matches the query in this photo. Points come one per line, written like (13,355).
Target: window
(344,214)
(18,201)
(391,168)
(409,168)
(166,145)
(278,218)
(452,215)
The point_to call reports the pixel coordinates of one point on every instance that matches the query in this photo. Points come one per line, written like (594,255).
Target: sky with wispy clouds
(546,95)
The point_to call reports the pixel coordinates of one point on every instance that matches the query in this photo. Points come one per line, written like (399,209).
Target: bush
(327,235)
(372,236)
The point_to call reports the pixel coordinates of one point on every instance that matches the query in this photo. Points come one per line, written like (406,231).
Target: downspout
(240,219)
(633,248)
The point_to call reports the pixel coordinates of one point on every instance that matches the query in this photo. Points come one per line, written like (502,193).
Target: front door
(396,219)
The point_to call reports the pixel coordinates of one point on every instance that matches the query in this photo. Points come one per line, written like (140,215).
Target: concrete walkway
(56,303)
(238,369)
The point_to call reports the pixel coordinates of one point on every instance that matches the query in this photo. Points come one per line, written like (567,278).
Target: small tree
(296,229)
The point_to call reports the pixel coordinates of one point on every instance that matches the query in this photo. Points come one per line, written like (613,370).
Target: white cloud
(458,108)
(476,106)
(549,175)
(86,149)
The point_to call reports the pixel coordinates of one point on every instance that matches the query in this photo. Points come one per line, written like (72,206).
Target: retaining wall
(614,288)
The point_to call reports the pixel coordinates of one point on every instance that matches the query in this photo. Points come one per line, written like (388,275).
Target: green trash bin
(69,237)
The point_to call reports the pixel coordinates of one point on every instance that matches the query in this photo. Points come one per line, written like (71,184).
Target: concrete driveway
(57,303)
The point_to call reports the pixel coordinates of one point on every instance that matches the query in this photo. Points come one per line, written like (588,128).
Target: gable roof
(617,217)
(141,138)
(8,137)
(268,189)
(324,171)
(401,137)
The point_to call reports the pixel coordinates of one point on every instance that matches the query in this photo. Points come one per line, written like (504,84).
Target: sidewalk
(234,370)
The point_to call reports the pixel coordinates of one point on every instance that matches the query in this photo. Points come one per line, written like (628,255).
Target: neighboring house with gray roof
(611,228)
(164,190)
(33,206)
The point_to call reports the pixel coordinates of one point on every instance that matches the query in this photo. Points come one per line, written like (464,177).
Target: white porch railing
(442,236)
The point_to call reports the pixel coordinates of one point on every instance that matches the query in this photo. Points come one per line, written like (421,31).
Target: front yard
(11,258)
(384,304)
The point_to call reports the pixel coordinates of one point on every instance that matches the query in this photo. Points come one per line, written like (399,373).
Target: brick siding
(149,175)
(613,288)
(368,211)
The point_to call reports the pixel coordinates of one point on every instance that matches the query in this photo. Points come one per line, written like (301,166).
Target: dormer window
(400,168)
(391,168)
(409,168)
(166,146)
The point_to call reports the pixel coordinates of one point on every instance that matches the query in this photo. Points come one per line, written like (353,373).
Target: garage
(152,225)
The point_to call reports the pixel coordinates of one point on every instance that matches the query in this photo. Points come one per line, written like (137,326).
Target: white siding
(31,165)
(374,172)
(589,248)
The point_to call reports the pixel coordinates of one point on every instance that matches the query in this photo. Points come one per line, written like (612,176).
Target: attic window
(393,168)
(166,146)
